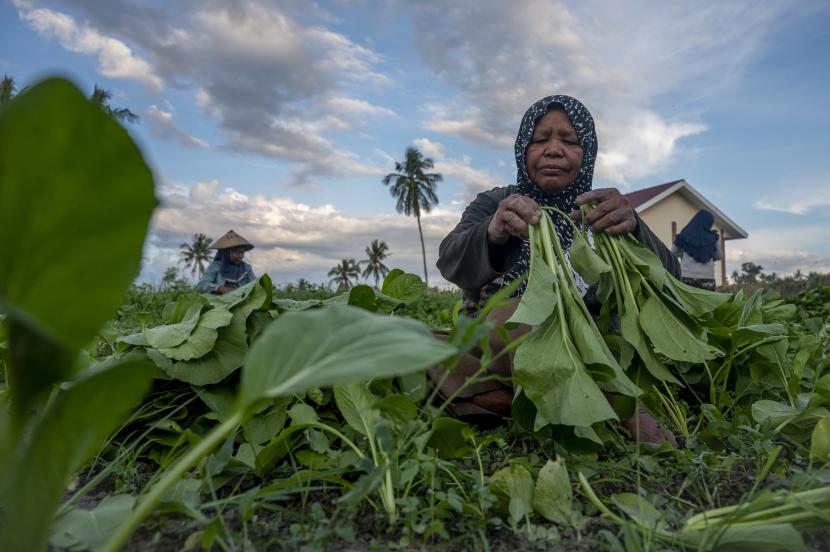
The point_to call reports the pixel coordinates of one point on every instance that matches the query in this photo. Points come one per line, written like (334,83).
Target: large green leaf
(820,441)
(640,510)
(75,201)
(171,335)
(585,260)
(633,334)
(227,355)
(696,301)
(596,355)
(548,367)
(231,343)
(201,341)
(517,483)
(88,529)
(670,337)
(449,437)
(553,496)
(70,430)
(540,296)
(335,346)
(403,286)
(356,404)
(643,258)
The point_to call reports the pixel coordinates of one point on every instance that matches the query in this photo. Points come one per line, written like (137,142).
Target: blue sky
(279,118)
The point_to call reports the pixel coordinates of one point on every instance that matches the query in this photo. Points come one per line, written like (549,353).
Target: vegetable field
(258,420)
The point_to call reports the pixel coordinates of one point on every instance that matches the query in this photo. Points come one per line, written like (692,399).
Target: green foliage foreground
(254,420)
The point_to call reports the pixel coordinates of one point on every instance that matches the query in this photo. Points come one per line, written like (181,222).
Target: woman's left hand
(612,215)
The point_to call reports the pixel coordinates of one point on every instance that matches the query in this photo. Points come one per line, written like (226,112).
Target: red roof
(641,196)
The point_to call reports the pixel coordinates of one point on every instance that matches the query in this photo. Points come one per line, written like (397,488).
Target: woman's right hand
(512,218)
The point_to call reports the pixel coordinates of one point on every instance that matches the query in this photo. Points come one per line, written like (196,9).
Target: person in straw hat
(227,271)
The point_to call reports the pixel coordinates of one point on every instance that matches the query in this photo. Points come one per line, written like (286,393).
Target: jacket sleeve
(466,257)
(646,237)
(207,283)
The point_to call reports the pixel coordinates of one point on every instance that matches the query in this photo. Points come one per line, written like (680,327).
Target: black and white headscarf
(565,200)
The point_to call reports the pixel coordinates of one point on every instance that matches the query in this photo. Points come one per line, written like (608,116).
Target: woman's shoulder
(493,196)
(498,193)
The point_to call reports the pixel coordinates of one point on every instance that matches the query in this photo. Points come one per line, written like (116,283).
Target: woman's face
(235,254)
(554,156)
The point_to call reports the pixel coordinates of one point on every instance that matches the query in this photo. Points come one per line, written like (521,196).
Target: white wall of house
(678,210)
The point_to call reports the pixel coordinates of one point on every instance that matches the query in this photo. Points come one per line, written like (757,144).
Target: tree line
(196,255)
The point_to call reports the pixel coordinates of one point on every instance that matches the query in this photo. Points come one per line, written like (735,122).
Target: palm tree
(377,251)
(414,189)
(343,274)
(102,97)
(8,89)
(195,255)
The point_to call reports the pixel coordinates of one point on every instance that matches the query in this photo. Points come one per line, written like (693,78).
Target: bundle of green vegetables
(564,365)
(658,314)
(647,314)
(205,337)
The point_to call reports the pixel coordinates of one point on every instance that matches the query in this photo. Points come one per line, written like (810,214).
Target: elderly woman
(227,271)
(555,153)
(699,247)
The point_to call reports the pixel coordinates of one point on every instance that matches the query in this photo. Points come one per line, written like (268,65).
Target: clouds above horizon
(274,85)
(292,239)
(782,250)
(275,80)
(618,58)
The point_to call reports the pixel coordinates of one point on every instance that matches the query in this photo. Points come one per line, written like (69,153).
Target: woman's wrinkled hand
(612,215)
(512,218)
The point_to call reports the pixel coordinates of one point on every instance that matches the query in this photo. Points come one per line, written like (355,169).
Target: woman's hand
(612,215)
(512,218)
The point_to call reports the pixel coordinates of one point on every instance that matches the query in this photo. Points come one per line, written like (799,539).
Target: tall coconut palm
(195,255)
(102,97)
(414,188)
(376,252)
(8,89)
(344,274)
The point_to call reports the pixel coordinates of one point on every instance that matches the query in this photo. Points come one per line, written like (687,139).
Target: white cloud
(782,250)
(353,106)
(620,59)
(274,84)
(434,150)
(474,180)
(162,126)
(292,239)
(633,154)
(115,59)
(808,200)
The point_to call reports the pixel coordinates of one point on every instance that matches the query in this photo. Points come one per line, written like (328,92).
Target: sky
(279,119)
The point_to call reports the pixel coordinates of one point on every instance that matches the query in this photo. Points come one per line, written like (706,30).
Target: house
(668,207)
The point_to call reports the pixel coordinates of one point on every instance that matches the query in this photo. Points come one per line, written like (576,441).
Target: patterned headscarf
(565,200)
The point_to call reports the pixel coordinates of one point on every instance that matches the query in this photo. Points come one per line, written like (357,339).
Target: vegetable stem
(145,506)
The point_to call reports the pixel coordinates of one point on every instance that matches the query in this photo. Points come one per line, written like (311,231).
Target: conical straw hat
(231,239)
